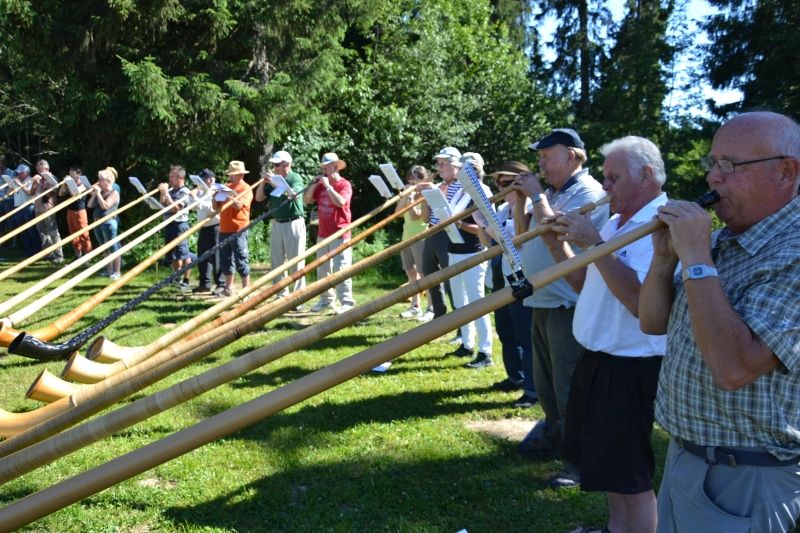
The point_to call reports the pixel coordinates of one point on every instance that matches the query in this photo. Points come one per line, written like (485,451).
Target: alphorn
(103,350)
(42,216)
(74,489)
(31,344)
(89,400)
(10,193)
(84,370)
(27,202)
(19,266)
(13,302)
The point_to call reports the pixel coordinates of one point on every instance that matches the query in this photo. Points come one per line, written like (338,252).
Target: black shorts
(609,422)
(181,251)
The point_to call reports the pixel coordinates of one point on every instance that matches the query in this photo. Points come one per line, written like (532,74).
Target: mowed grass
(408,450)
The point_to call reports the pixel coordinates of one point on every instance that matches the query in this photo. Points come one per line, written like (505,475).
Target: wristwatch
(537,198)
(699,271)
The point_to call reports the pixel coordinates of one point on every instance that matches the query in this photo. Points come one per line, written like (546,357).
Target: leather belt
(719,455)
(287,219)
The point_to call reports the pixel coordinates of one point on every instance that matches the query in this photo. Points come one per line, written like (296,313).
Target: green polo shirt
(283,209)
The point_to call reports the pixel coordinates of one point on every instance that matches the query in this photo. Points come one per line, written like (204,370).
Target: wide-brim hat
(510,168)
(566,136)
(331,157)
(236,167)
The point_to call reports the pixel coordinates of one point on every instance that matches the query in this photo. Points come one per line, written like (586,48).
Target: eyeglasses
(729,167)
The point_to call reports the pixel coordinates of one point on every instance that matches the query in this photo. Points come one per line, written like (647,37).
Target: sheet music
(221,192)
(199,183)
(438,203)
(279,185)
(381,187)
(72,186)
(391,176)
(151,202)
(85,181)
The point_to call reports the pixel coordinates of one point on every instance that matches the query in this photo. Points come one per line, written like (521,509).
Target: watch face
(697,270)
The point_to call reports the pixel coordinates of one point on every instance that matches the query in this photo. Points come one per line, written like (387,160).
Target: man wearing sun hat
(232,221)
(332,194)
(287,232)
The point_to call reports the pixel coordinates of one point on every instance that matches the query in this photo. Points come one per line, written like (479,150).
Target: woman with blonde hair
(104,199)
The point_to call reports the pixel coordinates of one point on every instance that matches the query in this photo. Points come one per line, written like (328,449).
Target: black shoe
(481,360)
(537,449)
(564,480)
(525,401)
(201,289)
(506,385)
(461,351)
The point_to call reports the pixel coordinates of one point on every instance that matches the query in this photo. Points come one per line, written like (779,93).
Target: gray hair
(180,170)
(640,153)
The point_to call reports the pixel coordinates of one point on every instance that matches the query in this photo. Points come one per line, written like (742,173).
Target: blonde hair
(109,174)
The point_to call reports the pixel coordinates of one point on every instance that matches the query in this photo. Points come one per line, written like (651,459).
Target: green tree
(753,48)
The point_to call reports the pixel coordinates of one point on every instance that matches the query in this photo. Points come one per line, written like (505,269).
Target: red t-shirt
(231,220)
(332,218)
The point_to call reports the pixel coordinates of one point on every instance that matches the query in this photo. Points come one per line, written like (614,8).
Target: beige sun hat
(331,157)
(236,167)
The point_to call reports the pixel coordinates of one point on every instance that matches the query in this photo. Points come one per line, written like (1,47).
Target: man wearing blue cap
(555,350)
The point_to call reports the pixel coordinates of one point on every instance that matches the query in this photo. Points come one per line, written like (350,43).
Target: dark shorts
(609,422)
(181,251)
(234,253)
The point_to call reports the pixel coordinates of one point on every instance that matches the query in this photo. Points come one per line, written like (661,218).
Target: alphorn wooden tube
(83,370)
(22,264)
(103,350)
(26,203)
(207,344)
(117,470)
(41,217)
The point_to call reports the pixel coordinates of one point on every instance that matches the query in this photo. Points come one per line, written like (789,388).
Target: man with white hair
(609,418)
(287,232)
(729,390)
(45,186)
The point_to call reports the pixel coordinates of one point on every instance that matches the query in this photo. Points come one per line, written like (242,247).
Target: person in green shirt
(287,236)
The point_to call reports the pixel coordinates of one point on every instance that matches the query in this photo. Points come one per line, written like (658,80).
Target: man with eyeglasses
(729,390)
(287,232)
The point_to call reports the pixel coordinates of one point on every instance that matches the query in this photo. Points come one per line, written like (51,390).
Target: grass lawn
(427,446)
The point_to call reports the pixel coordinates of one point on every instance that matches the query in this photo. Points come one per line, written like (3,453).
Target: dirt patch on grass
(511,430)
(157,483)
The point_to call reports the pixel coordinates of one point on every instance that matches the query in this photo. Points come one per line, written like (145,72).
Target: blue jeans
(234,253)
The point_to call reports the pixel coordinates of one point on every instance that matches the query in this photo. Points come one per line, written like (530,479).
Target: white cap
(451,154)
(281,156)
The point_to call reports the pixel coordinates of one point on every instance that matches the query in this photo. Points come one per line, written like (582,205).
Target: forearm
(308,196)
(561,251)
(621,281)
(656,296)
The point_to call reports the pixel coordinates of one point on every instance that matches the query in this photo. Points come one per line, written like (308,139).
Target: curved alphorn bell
(74,489)
(49,388)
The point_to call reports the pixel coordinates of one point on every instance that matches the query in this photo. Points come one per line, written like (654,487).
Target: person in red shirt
(332,194)
(233,220)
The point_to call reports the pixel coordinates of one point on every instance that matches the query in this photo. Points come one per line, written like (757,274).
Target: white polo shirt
(601,323)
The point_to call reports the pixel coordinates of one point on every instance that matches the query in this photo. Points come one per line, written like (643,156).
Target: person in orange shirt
(232,220)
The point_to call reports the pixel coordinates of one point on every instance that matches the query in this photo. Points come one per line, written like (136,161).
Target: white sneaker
(456,340)
(425,317)
(114,276)
(383,367)
(411,312)
(321,306)
(343,309)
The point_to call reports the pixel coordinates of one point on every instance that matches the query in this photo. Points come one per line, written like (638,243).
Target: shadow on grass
(488,492)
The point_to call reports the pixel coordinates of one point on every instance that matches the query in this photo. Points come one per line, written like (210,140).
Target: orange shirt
(231,220)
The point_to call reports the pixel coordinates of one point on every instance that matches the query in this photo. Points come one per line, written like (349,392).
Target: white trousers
(468,287)
(287,240)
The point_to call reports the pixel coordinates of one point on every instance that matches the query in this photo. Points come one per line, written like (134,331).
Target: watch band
(699,271)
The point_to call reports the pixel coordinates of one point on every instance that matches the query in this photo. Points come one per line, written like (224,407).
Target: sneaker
(383,367)
(564,479)
(200,289)
(427,316)
(300,309)
(461,351)
(343,309)
(525,401)
(184,286)
(218,290)
(104,273)
(506,386)
(114,276)
(411,312)
(321,306)
(455,340)
(481,360)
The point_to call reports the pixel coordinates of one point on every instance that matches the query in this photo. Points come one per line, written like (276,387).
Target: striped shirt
(452,188)
(760,273)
